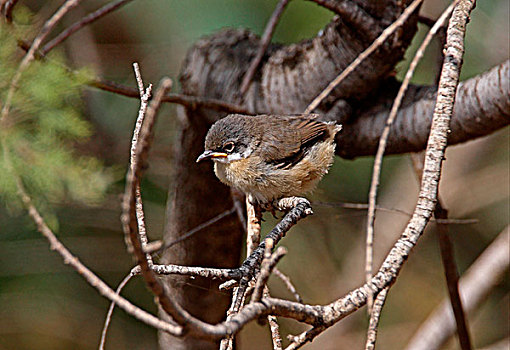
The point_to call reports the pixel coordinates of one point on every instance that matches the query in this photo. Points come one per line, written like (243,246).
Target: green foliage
(41,130)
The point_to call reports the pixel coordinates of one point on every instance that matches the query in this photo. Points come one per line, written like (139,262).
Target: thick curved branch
(291,76)
(482,106)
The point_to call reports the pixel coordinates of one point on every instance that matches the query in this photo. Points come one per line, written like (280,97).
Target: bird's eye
(228,147)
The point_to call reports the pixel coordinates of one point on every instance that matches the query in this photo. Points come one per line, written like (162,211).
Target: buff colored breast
(266,182)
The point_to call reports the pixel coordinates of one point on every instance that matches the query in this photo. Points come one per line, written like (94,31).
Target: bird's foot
(288,203)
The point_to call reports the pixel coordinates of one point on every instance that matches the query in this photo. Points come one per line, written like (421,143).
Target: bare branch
(185,100)
(99,13)
(363,206)
(288,283)
(449,265)
(375,315)
(207,272)
(475,285)
(305,337)
(238,298)
(372,197)
(110,309)
(452,277)
(145,94)
(275,330)
(129,219)
(254,217)
(194,230)
(264,43)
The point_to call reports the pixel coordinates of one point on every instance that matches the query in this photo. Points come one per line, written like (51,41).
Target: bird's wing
(288,137)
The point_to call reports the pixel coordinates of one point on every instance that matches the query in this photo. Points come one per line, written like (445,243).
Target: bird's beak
(211,155)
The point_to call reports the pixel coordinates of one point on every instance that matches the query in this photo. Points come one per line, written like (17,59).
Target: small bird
(271,156)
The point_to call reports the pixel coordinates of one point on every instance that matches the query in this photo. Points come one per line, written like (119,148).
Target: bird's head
(230,139)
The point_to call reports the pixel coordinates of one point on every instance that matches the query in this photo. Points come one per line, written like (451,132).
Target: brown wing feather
(287,136)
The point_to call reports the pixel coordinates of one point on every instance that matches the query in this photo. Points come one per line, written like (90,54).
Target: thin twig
(372,198)
(238,199)
(364,206)
(362,56)
(206,272)
(185,100)
(288,283)
(254,218)
(375,316)
(449,265)
(145,94)
(452,277)
(129,219)
(264,43)
(238,297)
(274,328)
(99,13)
(110,310)
(305,337)
(194,230)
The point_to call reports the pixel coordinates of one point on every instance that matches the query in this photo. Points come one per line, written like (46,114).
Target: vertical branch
(375,316)
(372,198)
(448,259)
(253,210)
(129,215)
(109,314)
(275,331)
(452,276)
(261,289)
(264,43)
(254,217)
(145,95)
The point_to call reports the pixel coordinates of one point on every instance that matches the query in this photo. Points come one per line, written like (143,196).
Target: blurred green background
(46,305)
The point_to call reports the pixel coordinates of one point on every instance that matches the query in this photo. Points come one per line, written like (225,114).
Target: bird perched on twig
(271,156)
